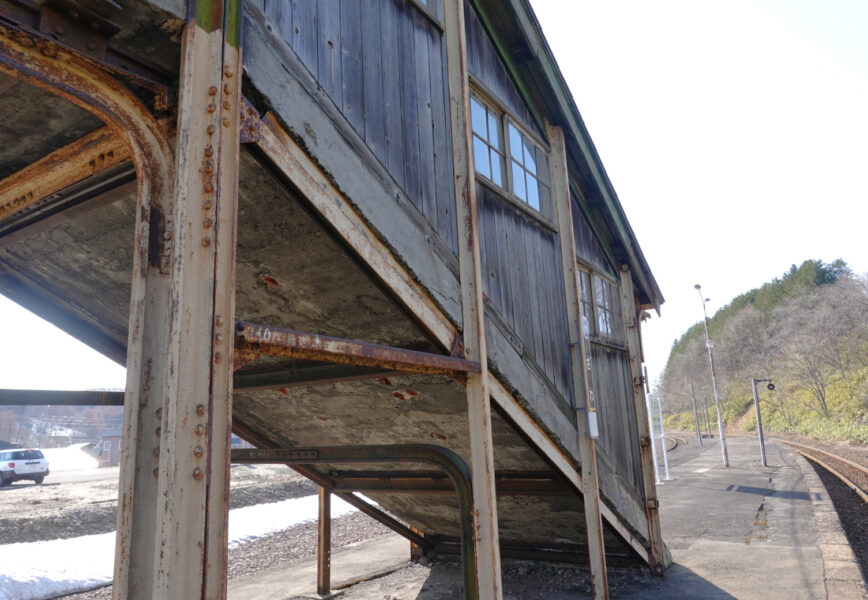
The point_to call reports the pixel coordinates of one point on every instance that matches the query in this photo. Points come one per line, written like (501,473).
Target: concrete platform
(743,532)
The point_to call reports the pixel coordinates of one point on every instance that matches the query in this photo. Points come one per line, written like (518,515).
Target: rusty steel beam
(485,523)
(247,433)
(292,375)
(511,484)
(296,344)
(324,543)
(59,398)
(447,460)
(88,155)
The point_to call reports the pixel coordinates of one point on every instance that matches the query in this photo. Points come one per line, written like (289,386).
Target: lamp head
(697,286)
(771,387)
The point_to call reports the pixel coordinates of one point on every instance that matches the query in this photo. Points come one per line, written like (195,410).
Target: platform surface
(746,531)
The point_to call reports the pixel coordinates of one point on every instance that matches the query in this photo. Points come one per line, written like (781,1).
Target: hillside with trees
(806,331)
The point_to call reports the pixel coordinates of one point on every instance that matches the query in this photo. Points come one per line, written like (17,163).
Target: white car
(19,463)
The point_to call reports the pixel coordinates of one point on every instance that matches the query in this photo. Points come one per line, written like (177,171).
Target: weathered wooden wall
(381,63)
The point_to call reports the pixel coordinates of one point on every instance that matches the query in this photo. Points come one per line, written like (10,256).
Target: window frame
(616,336)
(506,188)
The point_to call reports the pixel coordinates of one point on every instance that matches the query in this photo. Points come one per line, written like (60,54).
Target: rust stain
(269,281)
(399,396)
(384,381)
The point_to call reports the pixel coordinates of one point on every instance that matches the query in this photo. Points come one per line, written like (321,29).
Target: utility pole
(695,415)
(759,420)
(707,416)
(709,346)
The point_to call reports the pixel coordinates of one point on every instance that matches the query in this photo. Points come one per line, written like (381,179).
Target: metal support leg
(324,543)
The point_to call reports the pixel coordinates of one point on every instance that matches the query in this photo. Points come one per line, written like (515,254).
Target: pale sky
(735,134)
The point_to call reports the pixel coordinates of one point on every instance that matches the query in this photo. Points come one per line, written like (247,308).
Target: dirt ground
(62,509)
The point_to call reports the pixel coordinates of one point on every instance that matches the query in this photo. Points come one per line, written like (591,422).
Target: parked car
(19,464)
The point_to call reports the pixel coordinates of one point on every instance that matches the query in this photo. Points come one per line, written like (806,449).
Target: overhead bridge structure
(372,237)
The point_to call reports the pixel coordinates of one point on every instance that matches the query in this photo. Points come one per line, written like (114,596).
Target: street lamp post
(709,346)
(759,420)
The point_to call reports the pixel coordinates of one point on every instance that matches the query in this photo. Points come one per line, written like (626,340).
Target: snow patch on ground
(41,570)
(71,458)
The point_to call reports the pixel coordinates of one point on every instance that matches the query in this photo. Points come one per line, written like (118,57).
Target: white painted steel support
(193,487)
(580,364)
(470,278)
(656,548)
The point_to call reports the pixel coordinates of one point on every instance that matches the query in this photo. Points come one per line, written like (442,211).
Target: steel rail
(275,341)
(450,462)
(846,480)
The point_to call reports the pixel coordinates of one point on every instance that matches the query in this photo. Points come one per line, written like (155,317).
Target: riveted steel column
(578,359)
(190,555)
(470,277)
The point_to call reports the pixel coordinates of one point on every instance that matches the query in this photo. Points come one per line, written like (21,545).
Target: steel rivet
(219,338)
(158,431)
(207,205)
(227,106)
(211,108)
(198,451)
(167,236)
(212,90)
(209,151)
(225,122)
(218,358)
(227,89)
(159,413)
(206,241)
(200,409)
(208,187)
(207,223)
(208,168)
(210,129)
(199,429)
(219,321)
(156,472)
(228,73)
(197,473)
(157,452)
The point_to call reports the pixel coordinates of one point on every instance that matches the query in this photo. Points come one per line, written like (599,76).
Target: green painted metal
(207,14)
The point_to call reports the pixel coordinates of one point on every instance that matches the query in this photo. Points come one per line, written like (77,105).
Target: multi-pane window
(585,298)
(607,308)
(527,170)
(487,155)
(528,164)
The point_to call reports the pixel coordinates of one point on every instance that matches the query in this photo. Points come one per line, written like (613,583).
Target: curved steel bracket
(450,462)
(60,71)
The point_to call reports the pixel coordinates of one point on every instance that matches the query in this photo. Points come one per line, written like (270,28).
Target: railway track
(854,475)
(675,442)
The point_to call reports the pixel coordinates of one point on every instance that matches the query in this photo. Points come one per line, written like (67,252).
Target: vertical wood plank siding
(485,67)
(617,411)
(587,247)
(521,280)
(381,62)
